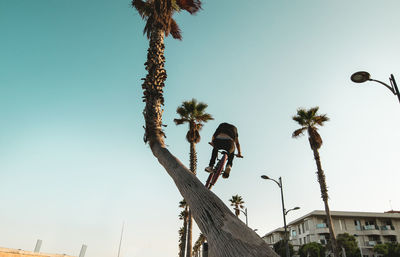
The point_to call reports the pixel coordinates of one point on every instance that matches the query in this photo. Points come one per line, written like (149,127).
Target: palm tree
(309,120)
(237,203)
(193,113)
(199,242)
(183,231)
(210,213)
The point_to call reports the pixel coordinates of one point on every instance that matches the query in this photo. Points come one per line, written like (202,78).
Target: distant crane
(120,241)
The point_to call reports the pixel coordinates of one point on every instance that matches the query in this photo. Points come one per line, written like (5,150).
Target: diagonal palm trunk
(324,196)
(227,235)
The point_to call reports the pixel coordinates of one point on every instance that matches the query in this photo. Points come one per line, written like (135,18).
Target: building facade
(369,228)
(7,252)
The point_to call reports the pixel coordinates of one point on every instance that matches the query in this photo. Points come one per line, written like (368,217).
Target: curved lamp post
(284,211)
(363,76)
(245,214)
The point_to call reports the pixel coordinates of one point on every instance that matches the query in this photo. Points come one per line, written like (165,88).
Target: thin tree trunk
(227,235)
(193,168)
(324,196)
(183,238)
(189,235)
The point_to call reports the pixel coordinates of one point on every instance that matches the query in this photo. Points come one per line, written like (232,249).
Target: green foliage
(312,250)
(237,203)
(349,243)
(388,249)
(193,113)
(309,120)
(280,248)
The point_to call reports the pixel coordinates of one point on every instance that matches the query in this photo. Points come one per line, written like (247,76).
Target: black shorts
(224,144)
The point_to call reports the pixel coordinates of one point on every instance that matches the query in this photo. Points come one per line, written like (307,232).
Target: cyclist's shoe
(209,169)
(227,171)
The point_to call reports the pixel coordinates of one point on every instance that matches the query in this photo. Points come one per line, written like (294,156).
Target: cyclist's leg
(230,148)
(213,156)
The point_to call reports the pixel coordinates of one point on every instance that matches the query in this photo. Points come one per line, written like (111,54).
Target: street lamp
(363,76)
(245,214)
(284,211)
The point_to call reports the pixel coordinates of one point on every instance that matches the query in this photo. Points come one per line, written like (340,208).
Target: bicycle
(218,168)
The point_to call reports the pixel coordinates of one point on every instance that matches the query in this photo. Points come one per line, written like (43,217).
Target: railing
(370,227)
(370,243)
(322,225)
(387,227)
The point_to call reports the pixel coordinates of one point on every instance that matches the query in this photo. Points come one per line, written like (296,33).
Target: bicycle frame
(213,177)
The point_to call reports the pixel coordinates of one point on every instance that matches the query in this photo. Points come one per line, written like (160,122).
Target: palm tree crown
(193,112)
(237,203)
(158,14)
(309,120)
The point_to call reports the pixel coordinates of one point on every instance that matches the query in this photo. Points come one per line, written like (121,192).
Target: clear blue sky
(73,165)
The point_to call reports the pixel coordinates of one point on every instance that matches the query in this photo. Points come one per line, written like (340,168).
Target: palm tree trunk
(193,168)
(153,88)
(227,235)
(184,234)
(189,235)
(324,196)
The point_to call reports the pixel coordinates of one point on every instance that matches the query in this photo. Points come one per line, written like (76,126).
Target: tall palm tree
(183,232)
(309,120)
(212,216)
(237,203)
(193,113)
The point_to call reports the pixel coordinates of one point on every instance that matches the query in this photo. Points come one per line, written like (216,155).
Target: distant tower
(38,245)
(83,251)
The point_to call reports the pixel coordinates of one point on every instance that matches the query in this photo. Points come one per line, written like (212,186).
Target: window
(308,239)
(357,224)
(302,226)
(294,233)
(307,226)
(299,228)
(301,242)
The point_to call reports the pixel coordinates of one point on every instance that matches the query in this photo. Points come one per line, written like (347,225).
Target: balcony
(387,227)
(371,243)
(322,228)
(370,227)
(371,230)
(388,230)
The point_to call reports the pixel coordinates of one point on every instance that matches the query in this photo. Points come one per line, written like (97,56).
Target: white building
(369,228)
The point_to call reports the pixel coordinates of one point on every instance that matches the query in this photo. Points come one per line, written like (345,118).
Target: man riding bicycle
(225,138)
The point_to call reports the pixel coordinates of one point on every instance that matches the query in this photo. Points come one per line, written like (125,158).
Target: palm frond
(300,120)
(321,119)
(204,117)
(191,6)
(201,107)
(143,8)
(175,30)
(180,121)
(298,132)
(183,112)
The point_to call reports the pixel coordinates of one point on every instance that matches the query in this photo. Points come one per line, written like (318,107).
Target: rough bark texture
(153,88)
(227,235)
(324,196)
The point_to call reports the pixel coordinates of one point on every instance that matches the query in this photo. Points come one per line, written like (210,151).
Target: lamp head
(296,208)
(360,77)
(265,177)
